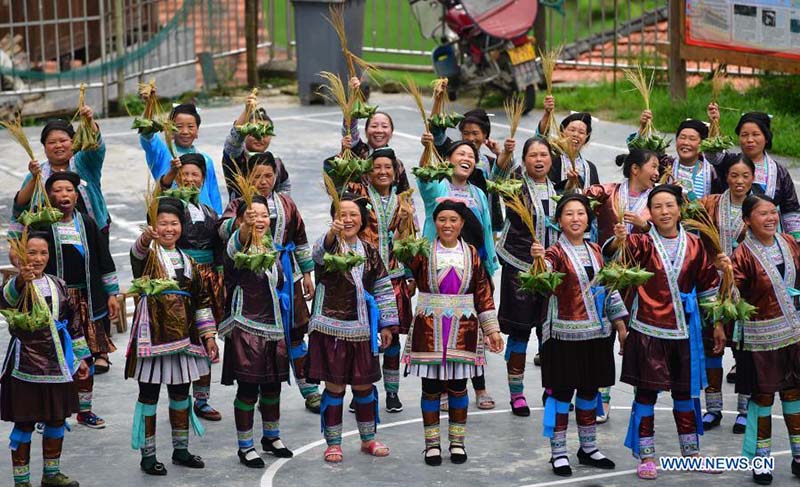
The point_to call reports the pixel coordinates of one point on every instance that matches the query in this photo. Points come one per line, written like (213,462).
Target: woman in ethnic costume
(578,347)
(378,130)
(578,127)
(289,237)
(351,310)
(453,286)
(640,169)
(765,269)
(690,169)
(200,241)
(521,311)
(478,229)
(755,139)
(476,127)
(384,216)
(172,341)
(664,347)
(56,139)
(41,368)
(725,211)
(80,257)
(239,149)
(255,340)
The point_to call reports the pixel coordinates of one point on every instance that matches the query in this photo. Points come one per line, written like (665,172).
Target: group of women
(197,293)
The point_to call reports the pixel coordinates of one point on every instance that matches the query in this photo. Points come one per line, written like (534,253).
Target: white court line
(269,475)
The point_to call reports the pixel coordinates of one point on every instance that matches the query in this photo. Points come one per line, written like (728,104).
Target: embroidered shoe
(59,480)
(313,402)
(205,411)
(91,420)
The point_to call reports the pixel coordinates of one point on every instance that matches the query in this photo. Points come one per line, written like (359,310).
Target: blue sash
(698,366)
(66,342)
(286,295)
(374,316)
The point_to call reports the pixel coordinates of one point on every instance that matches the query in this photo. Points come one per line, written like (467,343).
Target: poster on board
(765,27)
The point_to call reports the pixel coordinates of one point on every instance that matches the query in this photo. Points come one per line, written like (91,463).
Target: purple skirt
(338,361)
(22,401)
(656,364)
(254,359)
(768,372)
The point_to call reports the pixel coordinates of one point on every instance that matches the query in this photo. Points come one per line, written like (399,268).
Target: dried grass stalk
(336,19)
(717,84)
(429,154)
(153,268)
(15,129)
(405,227)
(335,92)
(151,106)
(549,59)
(169,137)
(514,108)
(85,137)
(644,86)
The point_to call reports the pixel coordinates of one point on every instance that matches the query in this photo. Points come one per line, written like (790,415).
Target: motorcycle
(484,43)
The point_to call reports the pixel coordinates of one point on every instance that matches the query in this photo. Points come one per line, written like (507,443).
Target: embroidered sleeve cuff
(10,293)
(488,322)
(226,229)
(139,250)
(616,308)
(709,295)
(387,303)
(302,253)
(204,321)
(499,173)
(234,245)
(80,348)
(111,283)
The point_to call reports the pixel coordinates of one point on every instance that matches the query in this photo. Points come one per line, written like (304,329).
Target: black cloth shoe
(586,459)
(537,361)
(562,471)
(762,478)
(269,446)
(190,461)
(393,404)
(433,460)
(711,420)
(738,428)
(795,469)
(156,468)
(256,462)
(458,458)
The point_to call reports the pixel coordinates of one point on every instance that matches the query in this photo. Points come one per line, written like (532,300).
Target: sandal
(375,448)
(101,365)
(519,407)
(333,451)
(485,401)
(647,471)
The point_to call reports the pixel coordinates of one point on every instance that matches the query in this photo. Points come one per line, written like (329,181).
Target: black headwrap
(584,117)
(472,232)
(574,197)
(62,176)
(697,125)
(57,124)
(672,189)
(171,205)
(458,143)
(195,159)
(262,159)
(188,109)
(479,117)
(762,120)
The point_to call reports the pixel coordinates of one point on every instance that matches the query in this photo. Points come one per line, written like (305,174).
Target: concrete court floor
(504,450)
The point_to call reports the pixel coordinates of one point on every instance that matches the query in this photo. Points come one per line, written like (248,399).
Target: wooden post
(251,40)
(677,65)
(119,37)
(540,29)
